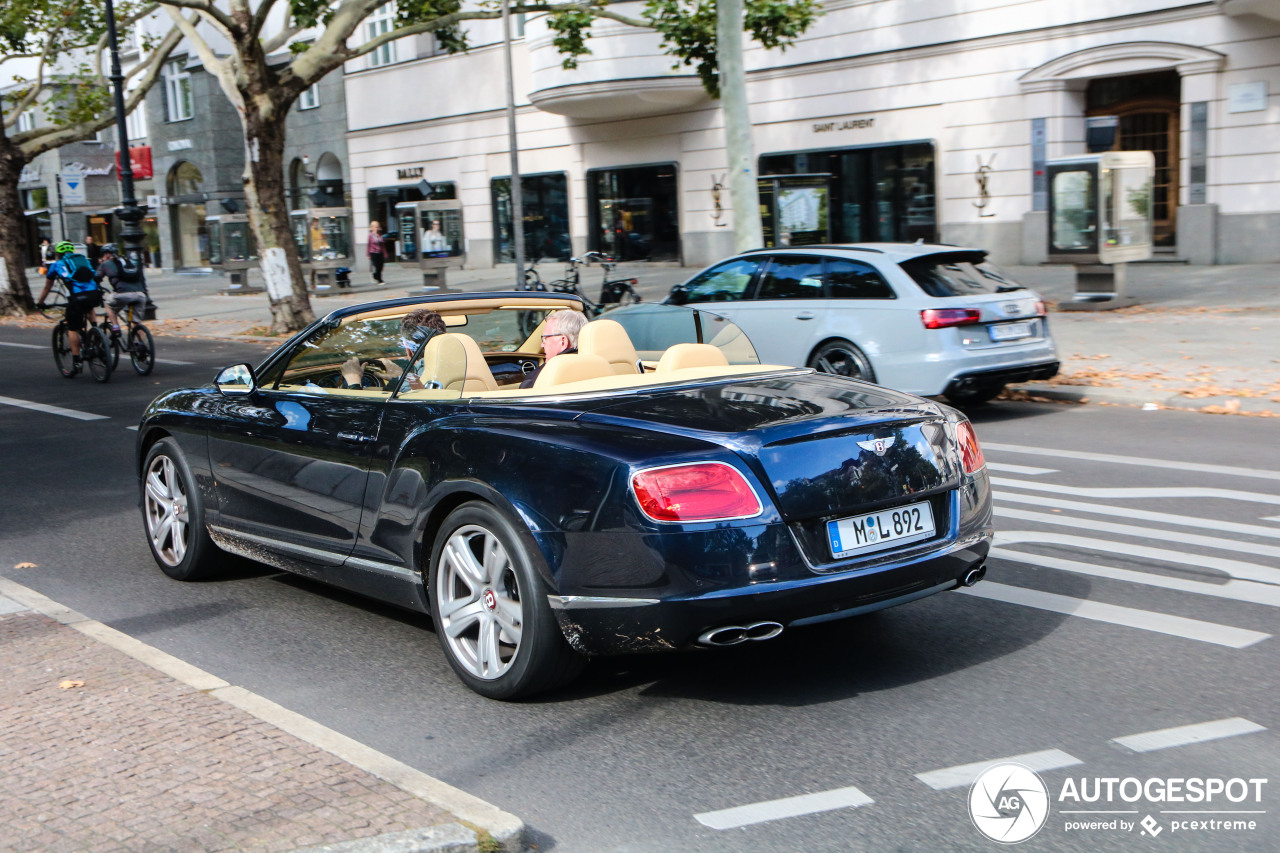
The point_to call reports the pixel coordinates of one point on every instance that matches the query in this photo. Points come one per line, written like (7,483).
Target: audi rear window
(958,275)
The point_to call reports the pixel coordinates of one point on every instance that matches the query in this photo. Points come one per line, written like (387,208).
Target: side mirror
(679,295)
(236,380)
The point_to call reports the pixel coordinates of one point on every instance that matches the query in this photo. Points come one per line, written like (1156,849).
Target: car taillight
(1041,308)
(941,318)
(703,491)
(970,450)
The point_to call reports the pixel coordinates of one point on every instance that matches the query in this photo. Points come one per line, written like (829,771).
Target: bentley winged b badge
(878,446)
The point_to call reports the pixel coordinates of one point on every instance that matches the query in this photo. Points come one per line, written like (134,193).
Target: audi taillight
(970,450)
(941,318)
(702,491)
(1041,309)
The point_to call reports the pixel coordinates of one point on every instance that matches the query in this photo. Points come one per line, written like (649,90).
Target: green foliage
(688,29)
(572,30)
(78,97)
(410,12)
(311,13)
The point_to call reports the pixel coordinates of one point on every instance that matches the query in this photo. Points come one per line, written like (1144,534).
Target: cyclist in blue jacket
(83,294)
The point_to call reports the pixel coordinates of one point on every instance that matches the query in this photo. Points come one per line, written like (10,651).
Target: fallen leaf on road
(1230,408)
(67,684)
(26,566)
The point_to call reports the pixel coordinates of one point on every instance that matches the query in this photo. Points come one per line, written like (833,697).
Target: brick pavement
(134,760)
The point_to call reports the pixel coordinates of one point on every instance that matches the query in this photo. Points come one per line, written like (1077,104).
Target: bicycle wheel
(95,349)
(62,350)
(621,293)
(115,348)
(56,309)
(142,349)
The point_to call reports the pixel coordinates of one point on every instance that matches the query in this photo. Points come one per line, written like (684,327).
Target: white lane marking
(1235,568)
(1161,623)
(1140,514)
(1234,590)
(134,428)
(1183,735)
(1272,518)
(841,798)
(1019,469)
(24,346)
(965,774)
(52,410)
(1221,543)
(1121,493)
(170,361)
(1229,470)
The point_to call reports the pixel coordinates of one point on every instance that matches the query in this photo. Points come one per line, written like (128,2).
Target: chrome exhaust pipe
(974,575)
(732,635)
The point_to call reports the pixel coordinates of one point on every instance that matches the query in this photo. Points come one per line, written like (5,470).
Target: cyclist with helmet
(83,293)
(126,280)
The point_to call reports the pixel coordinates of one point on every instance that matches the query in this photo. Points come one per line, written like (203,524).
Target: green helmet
(64,247)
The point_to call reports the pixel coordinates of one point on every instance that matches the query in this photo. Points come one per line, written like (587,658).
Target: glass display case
(231,244)
(1100,207)
(431,234)
(323,237)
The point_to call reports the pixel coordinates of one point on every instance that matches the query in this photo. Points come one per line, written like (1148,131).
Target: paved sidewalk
(104,751)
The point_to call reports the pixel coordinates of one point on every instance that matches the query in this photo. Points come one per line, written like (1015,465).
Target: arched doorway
(184,187)
(329,181)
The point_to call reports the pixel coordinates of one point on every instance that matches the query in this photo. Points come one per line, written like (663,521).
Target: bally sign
(139,162)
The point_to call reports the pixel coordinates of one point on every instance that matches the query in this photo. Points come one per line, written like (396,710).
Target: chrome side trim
(595,602)
(277,545)
(398,572)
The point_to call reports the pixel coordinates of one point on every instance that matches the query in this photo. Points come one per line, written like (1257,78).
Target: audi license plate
(1009,331)
(878,530)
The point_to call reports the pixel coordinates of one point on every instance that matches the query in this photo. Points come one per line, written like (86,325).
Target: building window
(27,121)
(310,98)
(177,91)
(136,121)
(545,200)
(633,212)
(383,20)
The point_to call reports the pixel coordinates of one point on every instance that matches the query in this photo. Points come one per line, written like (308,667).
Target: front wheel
(142,350)
(95,349)
(490,607)
(62,351)
(843,359)
(173,513)
(117,346)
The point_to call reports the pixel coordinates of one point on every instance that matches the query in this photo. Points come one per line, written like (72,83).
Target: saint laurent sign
(846,124)
(411,172)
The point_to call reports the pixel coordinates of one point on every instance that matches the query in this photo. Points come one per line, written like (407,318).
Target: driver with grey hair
(559,336)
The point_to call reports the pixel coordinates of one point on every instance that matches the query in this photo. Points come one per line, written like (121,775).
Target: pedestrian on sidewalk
(375,251)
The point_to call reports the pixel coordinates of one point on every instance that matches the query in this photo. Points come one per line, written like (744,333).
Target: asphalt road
(1141,551)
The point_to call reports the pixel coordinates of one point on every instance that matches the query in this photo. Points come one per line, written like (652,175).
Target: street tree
(53,50)
(318,36)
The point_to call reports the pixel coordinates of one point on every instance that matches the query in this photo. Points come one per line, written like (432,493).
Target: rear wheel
(142,349)
(117,346)
(975,395)
(490,607)
(62,350)
(95,350)
(843,359)
(173,514)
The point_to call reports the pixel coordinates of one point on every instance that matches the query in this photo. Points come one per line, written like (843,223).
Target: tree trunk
(15,294)
(269,218)
(744,190)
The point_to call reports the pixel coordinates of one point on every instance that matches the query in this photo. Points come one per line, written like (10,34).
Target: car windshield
(958,275)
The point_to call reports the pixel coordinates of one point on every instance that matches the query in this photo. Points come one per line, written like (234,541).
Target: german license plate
(1010,331)
(878,530)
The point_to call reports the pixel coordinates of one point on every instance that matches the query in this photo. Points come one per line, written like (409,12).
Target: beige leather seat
(681,356)
(571,367)
(454,362)
(607,339)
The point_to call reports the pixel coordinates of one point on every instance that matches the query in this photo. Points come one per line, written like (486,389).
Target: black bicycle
(95,351)
(132,337)
(55,304)
(614,293)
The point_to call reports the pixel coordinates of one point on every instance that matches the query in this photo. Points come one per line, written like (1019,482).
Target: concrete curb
(505,828)
(446,838)
(1147,399)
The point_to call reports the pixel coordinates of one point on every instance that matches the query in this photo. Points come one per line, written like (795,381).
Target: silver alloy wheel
(478,602)
(842,359)
(166,509)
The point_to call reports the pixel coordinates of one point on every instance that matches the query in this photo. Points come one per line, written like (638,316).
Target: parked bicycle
(132,337)
(613,292)
(95,351)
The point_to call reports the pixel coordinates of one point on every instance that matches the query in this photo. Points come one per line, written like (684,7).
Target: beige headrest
(607,339)
(681,356)
(571,367)
(454,362)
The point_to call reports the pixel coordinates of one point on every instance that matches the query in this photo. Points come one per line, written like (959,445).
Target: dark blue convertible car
(658,489)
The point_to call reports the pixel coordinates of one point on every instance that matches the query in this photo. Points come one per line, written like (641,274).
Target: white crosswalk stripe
(1183,735)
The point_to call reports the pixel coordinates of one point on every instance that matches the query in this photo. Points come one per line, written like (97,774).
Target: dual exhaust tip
(974,575)
(732,635)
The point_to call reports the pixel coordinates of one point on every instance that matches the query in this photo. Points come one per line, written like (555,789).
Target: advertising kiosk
(231,247)
(431,239)
(323,237)
(1100,208)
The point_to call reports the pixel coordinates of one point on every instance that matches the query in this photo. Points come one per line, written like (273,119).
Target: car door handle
(805,315)
(355,436)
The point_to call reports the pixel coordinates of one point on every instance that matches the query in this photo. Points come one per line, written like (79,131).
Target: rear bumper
(1002,376)
(602,625)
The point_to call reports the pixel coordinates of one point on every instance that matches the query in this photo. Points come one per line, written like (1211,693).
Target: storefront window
(634,213)
(546,217)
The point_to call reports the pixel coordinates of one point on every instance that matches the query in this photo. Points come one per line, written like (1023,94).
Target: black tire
(142,350)
(117,346)
(95,350)
(500,594)
(843,359)
(974,396)
(62,350)
(55,310)
(182,549)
